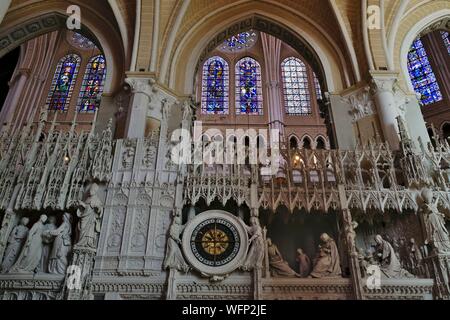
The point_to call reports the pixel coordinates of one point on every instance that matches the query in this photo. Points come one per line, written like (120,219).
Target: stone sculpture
(278,267)
(15,243)
(62,244)
(30,257)
(89,213)
(304,263)
(415,258)
(174,258)
(327,262)
(437,233)
(47,241)
(387,259)
(255,256)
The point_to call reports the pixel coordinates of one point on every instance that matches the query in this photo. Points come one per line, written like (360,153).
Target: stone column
(18,87)
(383,93)
(350,236)
(142,95)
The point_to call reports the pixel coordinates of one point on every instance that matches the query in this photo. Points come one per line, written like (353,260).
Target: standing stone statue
(437,233)
(174,258)
(327,262)
(89,213)
(415,258)
(255,256)
(304,263)
(278,267)
(389,264)
(61,246)
(30,257)
(47,241)
(15,243)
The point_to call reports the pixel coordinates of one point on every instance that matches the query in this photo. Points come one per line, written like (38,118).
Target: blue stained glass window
(240,42)
(93,81)
(422,75)
(63,82)
(215,85)
(446,40)
(248,87)
(297,99)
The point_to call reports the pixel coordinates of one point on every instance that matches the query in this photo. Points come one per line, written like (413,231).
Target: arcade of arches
(188,149)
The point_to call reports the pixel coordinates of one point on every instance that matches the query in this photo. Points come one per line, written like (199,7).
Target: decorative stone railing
(401,289)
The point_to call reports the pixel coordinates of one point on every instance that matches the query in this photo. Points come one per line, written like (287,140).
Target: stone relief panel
(116,229)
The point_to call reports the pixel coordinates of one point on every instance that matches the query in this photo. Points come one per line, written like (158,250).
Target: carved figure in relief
(278,266)
(255,255)
(327,262)
(304,263)
(415,258)
(16,240)
(437,233)
(90,213)
(174,258)
(387,259)
(47,241)
(62,245)
(30,257)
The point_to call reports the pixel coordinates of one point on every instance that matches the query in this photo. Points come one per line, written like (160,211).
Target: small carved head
(300,251)
(427,195)
(43,218)
(325,237)
(94,189)
(378,239)
(52,220)
(269,242)
(24,221)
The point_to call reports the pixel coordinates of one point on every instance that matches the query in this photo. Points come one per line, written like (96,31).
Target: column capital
(383,81)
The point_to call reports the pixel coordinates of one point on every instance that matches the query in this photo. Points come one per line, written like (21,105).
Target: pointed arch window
(215,86)
(446,40)
(297,99)
(422,75)
(92,87)
(63,82)
(249,99)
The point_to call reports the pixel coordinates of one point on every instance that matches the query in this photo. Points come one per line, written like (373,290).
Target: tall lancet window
(297,99)
(63,82)
(422,75)
(215,85)
(249,98)
(93,81)
(446,40)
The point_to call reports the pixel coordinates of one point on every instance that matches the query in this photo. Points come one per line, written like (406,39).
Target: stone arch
(312,43)
(23,24)
(429,19)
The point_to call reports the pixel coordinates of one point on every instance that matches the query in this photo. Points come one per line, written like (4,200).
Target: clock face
(215,242)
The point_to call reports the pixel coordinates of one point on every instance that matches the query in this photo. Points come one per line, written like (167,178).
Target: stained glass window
(93,81)
(446,40)
(215,85)
(63,82)
(422,75)
(81,41)
(318,88)
(297,99)
(248,87)
(240,41)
